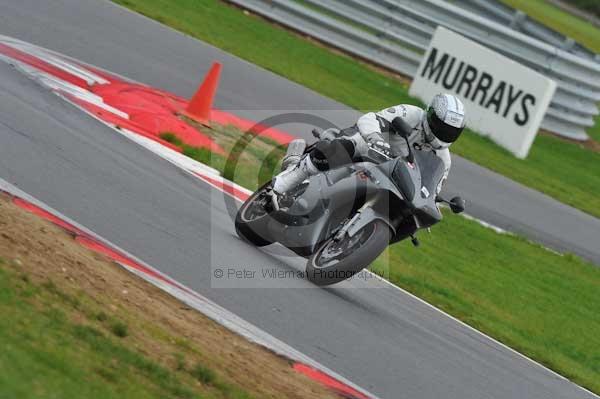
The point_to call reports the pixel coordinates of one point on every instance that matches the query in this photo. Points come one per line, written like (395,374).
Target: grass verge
(559,20)
(595,131)
(537,301)
(76,325)
(566,171)
(250,159)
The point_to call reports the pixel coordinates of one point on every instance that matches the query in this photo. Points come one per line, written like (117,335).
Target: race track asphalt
(375,335)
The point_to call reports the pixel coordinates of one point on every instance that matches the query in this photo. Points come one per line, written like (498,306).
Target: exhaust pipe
(294,153)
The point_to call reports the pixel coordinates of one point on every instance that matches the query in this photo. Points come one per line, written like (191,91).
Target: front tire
(252,218)
(337,261)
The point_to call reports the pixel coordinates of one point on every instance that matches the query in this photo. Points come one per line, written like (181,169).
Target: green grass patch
(594,132)
(539,302)
(179,362)
(119,329)
(45,354)
(554,166)
(101,316)
(561,21)
(250,160)
(203,374)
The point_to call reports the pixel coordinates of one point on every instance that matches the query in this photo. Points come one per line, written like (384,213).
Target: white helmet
(444,121)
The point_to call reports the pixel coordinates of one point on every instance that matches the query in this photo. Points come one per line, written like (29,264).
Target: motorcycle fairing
(334,197)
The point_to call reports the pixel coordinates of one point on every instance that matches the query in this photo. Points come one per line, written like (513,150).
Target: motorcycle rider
(434,129)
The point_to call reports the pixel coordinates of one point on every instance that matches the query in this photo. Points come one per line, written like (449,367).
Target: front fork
(365,215)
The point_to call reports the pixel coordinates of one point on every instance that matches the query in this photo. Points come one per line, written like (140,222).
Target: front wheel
(336,261)
(252,218)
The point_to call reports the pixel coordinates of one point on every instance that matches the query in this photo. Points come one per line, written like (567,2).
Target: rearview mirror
(457,205)
(401,128)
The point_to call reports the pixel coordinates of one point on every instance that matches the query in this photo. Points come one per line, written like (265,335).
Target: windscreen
(432,169)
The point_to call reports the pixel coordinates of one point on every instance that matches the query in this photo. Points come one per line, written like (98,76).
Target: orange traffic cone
(200,105)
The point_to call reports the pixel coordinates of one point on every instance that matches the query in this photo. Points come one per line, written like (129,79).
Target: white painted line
(183,162)
(170,155)
(54,59)
(485,224)
(236,187)
(59,85)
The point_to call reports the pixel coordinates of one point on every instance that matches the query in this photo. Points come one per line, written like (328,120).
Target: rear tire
(250,225)
(371,241)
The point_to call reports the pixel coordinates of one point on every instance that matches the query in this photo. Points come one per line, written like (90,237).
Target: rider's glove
(381,146)
(373,137)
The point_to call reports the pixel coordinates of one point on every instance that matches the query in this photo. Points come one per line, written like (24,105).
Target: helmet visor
(440,129)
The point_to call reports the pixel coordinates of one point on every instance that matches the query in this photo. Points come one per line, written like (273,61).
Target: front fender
(364,217)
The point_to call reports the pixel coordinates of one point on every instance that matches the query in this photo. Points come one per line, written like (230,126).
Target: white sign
(503,99)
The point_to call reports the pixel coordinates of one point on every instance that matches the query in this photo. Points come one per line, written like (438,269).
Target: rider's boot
(290,178)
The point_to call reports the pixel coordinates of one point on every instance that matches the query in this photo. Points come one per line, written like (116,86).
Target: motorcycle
(341,220)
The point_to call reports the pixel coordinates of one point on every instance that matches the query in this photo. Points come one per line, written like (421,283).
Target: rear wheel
(252,218)
(336,261)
